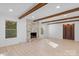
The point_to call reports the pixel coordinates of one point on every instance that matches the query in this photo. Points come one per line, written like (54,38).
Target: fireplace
(33,35)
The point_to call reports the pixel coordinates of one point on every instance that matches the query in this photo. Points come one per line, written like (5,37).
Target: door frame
(73,33)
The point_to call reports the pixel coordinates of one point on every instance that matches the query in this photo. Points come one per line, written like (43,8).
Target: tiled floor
(42,47)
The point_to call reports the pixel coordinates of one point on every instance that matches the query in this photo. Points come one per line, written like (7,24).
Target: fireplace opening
(33,35)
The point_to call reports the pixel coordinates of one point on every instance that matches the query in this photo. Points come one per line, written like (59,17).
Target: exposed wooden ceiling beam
(32,10)
(58,14)
(62,19)
(64,22)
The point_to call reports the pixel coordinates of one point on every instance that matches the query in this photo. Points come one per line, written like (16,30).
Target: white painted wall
(76,31)
(43,35)
(45,29)
(55,31)
(21,32)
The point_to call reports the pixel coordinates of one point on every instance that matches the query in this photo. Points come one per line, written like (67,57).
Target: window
(11,29)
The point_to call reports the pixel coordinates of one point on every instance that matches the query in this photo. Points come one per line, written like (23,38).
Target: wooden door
(68,31)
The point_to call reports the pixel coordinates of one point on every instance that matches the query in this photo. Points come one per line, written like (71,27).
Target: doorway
(68,31)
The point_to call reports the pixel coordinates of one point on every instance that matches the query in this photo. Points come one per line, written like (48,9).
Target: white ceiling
(49,9)
(18,9)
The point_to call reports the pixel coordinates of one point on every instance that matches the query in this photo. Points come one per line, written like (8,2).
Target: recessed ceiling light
(33,17)
(10,10)
(57,6)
